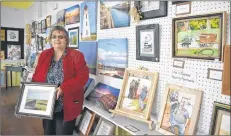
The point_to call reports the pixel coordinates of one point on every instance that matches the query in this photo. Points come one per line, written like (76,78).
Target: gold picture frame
(180,110)
(136,95)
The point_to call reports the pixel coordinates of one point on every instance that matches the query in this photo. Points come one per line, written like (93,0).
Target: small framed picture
(44,26)
(147,44)
(73,37)
(48,21)
(183,8)
(220,124)
(104,127)
(2,55)
(215,74)
(178,63)
(36,100)
(132,128)
(13,52)
(86,122)
(12,35)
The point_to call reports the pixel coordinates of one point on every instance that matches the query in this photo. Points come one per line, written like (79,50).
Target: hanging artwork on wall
(104,96)
(88,21)
(44,26)
(2,57)
(180,110)
(114,14)
(112,57)
(48,21)
(72,15)
(12,36)
(147,45)
(89,50)
(137,94)
(199,36)
(13,52)
(226,71)
(220,123)
(3,37)
(60,18)
(73,37)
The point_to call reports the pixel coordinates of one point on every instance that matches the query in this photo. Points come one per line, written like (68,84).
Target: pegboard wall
(211,88)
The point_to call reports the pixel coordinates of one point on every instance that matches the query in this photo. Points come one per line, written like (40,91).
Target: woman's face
(58,39)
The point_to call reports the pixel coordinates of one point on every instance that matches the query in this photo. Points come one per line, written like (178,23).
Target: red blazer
(76,74)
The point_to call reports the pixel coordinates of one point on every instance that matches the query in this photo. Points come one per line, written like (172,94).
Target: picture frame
(178,2)
(36,100)
(2,55)
(48,21)
(226,71)
(178,63)
(183,8)
(12,35)
(3,36)
(104,127)
(220,119)
(179,103)
(73,37)
(39,43)
(214,74)
(60,18)
(147,45)
(86,122)
(161,12)
(199,36)
(72,15)
(132,128)
(136,95)
(13,52)
(44,26)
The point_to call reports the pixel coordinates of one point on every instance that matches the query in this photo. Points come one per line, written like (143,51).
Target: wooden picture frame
(86,122)
(178,2)
(226,71)
(104,127)
(221,112)
(136,95)
(183,8)
(204,41)
(161,12)
(147,45)
(178,100)
(36,100)
(73,37)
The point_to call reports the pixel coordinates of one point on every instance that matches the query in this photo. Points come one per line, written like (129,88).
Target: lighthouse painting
(88,21)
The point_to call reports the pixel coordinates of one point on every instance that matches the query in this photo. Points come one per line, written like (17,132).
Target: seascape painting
(114,14)
(72,15)
(112,57)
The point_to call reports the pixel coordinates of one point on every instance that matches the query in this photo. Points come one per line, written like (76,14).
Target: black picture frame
(30,105)
(44,26)
(178,2)
(150,45)
(72,41)
(161,12)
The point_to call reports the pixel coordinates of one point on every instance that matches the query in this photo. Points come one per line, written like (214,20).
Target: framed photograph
(137,94)
(73,37)
(48,21)
(72,15)
(36,100)
(159,11)
(226,71)
(104,127)
(12,35)
(220,124)
(13,52)
(86,122)
(180,110)
(183,8)
(147,44)
(199,36)
(44,26)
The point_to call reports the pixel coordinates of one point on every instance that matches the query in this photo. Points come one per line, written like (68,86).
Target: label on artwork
(184,76)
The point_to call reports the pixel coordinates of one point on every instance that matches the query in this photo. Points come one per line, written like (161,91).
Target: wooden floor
(11,125)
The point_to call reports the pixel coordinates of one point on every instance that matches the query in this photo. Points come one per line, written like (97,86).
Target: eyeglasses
(59,36)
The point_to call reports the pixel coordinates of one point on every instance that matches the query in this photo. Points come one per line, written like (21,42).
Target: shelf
(122,121)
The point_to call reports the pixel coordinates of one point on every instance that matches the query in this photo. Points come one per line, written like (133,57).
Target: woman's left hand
(59,92)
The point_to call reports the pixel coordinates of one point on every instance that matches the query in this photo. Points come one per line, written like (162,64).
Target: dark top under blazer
(76,74)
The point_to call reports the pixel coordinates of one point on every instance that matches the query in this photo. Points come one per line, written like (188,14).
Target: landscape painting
(89,50)
(114,14)
(104,96)
(88,22)
(198,36)
(36,100)
(112,57)
(72,15)
(60,18)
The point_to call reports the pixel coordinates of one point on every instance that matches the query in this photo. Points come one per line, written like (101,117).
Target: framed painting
(104,127)
(12,35)
(220,124)
(44,26)
(114,14)
(2,55)
(86,121)
(160,10)
(3,37)
(13,52)
(72,15)
(48,21)
(147,45)
(73,37)
(36,100)
(60,18)
(180,110)
(137,94)
(199,36)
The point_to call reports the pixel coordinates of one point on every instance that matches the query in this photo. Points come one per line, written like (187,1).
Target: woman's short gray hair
(59,28)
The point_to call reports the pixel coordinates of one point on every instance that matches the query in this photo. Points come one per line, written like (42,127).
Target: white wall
(11,17)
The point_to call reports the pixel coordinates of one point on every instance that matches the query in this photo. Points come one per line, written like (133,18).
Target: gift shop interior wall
(211,88)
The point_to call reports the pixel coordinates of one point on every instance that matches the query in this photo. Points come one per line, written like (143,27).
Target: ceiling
(16,4)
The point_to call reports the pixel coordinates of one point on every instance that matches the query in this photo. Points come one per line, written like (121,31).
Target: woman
(67,68)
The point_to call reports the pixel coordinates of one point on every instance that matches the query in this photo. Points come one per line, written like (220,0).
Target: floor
(11,125)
